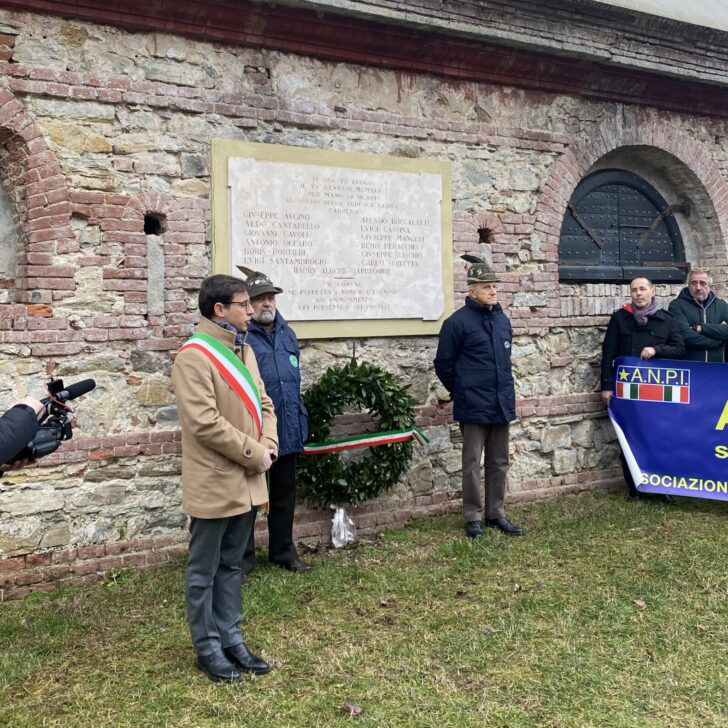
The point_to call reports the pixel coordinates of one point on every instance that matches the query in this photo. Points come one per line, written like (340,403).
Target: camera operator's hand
(18,427)
(36,405)
(16,465)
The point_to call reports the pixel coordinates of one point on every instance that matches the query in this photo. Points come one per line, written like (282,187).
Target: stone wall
(104,154)
(579,28)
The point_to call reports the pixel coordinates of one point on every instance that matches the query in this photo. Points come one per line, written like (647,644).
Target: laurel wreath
(328,479)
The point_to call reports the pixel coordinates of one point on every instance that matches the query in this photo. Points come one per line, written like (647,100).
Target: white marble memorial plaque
(344,243)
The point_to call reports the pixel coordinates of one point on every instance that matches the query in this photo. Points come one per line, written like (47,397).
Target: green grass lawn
(605,614)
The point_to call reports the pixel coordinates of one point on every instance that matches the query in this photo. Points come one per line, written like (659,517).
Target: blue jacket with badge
(473,362)
(278,355)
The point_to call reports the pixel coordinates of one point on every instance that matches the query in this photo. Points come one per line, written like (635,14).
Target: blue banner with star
(671,419)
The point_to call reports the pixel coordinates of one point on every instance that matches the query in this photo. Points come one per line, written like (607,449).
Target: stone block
(532,300)
(27,502)
(159,467)
(110,494)
(527,466)
(439,440)
(451,462)
(77,139)
(524,179)
(155,275)
(555,437)
(57,535)
(582,433)
(194,165)
(168,414)
(564,460)
(178,73)
(155,391)
(109,472)
(20,535)
(87,111)
(419,478)
(145,361)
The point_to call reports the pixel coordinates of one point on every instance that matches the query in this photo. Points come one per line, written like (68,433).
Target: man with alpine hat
(228,443)
(473,362)
(276,350)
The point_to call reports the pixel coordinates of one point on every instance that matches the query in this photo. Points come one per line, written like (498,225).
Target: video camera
(55,426)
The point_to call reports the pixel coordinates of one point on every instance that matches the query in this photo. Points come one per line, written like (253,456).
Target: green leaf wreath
(327,479)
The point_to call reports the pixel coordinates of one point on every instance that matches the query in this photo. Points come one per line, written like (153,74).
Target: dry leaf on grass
(640,603)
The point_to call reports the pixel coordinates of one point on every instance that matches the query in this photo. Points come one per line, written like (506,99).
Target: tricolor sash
(232,370)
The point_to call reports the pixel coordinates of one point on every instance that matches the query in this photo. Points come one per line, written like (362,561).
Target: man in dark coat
(702,318)
(638,329)
(473,362)
(18,426)
(276,350)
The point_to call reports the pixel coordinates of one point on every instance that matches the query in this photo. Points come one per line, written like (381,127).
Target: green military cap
(480,271)
(258,283)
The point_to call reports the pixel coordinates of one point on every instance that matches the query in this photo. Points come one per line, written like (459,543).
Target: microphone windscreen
(79,388)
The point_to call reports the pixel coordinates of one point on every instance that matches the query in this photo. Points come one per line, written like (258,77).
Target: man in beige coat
(228,443)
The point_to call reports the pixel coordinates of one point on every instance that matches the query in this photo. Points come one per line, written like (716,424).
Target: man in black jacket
(18,427)
(473,362)
(702,318)
(638,329)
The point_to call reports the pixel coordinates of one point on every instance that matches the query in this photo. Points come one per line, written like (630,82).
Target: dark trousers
(282,504)
(632,491)
(491,443)
(213,579)
(631,488)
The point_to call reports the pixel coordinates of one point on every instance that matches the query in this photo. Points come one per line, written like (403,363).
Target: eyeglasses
(245,304)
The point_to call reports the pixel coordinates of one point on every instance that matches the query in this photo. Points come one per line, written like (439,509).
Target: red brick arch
(40,201)
(644,130)
(152,202)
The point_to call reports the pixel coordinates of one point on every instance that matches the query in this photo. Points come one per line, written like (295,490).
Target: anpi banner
(671,419)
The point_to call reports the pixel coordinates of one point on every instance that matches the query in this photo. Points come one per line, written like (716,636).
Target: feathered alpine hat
(258,283)
(480,271)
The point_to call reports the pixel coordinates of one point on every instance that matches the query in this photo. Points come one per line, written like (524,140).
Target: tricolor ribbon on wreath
(372,439)
(342,528)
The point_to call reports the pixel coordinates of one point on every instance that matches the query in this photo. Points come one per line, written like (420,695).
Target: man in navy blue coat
(473,362)
(276,351)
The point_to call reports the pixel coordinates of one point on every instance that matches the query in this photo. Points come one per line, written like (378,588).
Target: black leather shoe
(245,660)
(217,667)
(503,524)
(473,529)
(298,566)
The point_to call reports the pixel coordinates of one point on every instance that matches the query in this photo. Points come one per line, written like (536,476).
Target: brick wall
(101,128)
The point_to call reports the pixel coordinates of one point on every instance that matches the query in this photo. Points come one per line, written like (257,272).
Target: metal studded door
(618,226)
